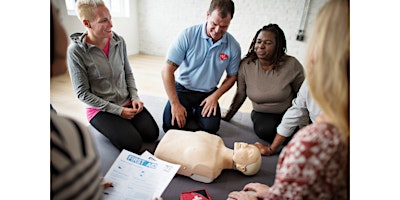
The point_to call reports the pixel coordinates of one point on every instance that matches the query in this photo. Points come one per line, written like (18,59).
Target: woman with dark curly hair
(270,78)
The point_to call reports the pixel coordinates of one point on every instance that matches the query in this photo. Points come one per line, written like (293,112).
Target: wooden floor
(147,73)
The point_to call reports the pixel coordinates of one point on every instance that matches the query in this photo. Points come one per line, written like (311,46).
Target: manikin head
(246,158)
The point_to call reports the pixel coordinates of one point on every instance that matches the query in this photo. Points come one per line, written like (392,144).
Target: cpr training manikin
(203,156)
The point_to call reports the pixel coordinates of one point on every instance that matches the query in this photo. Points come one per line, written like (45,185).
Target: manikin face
(244,154)
(100,26)
(217,26)
(265,45)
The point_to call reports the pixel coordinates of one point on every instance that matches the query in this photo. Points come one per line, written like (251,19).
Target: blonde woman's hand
(137,106)
(128,113)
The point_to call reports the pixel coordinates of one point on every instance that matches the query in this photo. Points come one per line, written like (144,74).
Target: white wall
(160,21)
(154,24)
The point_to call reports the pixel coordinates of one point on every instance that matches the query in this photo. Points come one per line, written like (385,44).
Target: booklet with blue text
(138,176)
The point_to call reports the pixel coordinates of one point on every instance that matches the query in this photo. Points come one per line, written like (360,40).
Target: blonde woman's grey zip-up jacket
(100,82)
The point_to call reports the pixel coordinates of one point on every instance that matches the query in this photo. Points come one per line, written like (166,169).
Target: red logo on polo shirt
(223,56)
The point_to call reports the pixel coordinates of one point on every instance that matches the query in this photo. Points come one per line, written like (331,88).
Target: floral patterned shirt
(312,166)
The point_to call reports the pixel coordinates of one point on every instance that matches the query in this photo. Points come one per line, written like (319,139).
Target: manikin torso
(206,153)
(202,155)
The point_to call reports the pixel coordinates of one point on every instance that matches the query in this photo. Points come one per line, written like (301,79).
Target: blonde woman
(315,163)
(103,79)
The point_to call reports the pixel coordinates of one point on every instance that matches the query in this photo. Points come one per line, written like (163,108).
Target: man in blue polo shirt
(195,63)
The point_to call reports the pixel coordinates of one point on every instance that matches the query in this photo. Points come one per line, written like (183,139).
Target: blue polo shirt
(202,63)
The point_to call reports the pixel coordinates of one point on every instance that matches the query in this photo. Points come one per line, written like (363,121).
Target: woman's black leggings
(265,124)
(124,133)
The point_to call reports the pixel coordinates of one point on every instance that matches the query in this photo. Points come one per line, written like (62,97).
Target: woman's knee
(152,134)
(265,132)
(132,143)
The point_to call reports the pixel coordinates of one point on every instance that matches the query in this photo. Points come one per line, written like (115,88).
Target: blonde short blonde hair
(85,8)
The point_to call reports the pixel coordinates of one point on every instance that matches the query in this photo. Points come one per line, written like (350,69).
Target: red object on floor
(195,195)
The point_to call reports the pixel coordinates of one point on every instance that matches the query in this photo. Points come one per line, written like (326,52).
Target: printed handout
(138,176)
